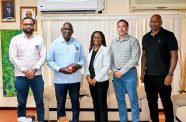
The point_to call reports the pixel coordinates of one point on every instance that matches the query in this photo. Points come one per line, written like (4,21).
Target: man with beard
(66,57)
(28,53)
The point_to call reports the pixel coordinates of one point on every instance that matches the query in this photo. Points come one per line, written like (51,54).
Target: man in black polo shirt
(158,62)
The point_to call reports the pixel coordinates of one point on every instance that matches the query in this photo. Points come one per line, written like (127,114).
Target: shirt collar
(24,35)
(161,29)
(63,40)
(125,39)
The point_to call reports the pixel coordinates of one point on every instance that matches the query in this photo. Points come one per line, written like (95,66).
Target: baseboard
(15,108)
(91,121)
(90,109)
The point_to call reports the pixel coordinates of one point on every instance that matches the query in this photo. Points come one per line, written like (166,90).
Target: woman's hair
(103,41)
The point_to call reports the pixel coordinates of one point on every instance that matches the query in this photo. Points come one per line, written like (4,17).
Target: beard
(28,31)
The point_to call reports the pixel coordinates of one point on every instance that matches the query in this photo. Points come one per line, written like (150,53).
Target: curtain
(182,52)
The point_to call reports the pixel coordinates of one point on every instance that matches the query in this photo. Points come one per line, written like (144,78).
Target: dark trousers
(154,85)
(61,93)
(99,96)
(22,85)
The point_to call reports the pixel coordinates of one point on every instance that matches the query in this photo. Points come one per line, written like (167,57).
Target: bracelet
(170,74)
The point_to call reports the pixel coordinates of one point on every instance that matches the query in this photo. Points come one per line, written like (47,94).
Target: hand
(65,70)
(90,81)
(93,81)
(118,74)
(25,71)
(74,67)
(30,74)
(168,80)
(142,77)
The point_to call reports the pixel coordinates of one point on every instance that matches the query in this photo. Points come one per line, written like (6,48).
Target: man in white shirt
(28,53)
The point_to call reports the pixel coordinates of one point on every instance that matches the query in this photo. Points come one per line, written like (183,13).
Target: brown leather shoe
(63,119)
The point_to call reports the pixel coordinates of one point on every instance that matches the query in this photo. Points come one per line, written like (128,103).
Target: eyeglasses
(96,37)
(28,24)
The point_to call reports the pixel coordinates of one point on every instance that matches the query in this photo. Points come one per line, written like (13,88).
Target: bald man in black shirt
(158,62)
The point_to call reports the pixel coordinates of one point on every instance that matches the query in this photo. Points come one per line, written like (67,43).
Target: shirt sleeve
(82,56)
(172,42)
(13,56)
(51,58)
(86,67)
(143,46)
(135,57)
(112,60)
(42,55)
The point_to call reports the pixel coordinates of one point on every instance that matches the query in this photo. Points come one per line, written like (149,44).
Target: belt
(130,69)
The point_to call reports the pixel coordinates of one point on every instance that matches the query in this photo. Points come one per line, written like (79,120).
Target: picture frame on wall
(28,11)
(8,11)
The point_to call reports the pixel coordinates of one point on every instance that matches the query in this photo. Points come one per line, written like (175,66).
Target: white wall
(110,9)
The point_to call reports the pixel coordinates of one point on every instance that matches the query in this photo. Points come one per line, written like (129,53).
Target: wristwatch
(79,66)
(35,69)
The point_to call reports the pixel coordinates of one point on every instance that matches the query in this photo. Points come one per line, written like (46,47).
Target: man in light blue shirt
(66,57)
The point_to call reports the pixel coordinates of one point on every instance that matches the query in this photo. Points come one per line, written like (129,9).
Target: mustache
(28,31)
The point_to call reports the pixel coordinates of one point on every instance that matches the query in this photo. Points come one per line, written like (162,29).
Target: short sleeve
(143,45)
(172,42)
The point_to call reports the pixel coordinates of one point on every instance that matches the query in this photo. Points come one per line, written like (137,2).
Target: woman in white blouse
(96,72)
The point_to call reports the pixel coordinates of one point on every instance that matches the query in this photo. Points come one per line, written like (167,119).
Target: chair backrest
(85,85)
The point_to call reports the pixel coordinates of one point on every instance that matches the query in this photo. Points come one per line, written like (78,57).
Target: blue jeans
(127,84)
(22,85)
(61,93)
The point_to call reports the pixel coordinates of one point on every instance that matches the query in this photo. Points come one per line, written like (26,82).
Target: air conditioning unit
(71,6)
(157,4)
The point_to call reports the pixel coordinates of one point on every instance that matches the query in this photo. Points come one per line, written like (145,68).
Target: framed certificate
(28,11)
(8,11)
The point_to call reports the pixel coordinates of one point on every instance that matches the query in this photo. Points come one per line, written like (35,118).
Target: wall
(18,4)
(110,9)
(122,11)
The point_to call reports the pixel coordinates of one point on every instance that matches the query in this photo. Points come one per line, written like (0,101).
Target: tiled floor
(11,115)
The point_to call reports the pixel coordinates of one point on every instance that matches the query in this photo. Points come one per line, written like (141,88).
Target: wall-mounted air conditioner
(71,6)
(157,4)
